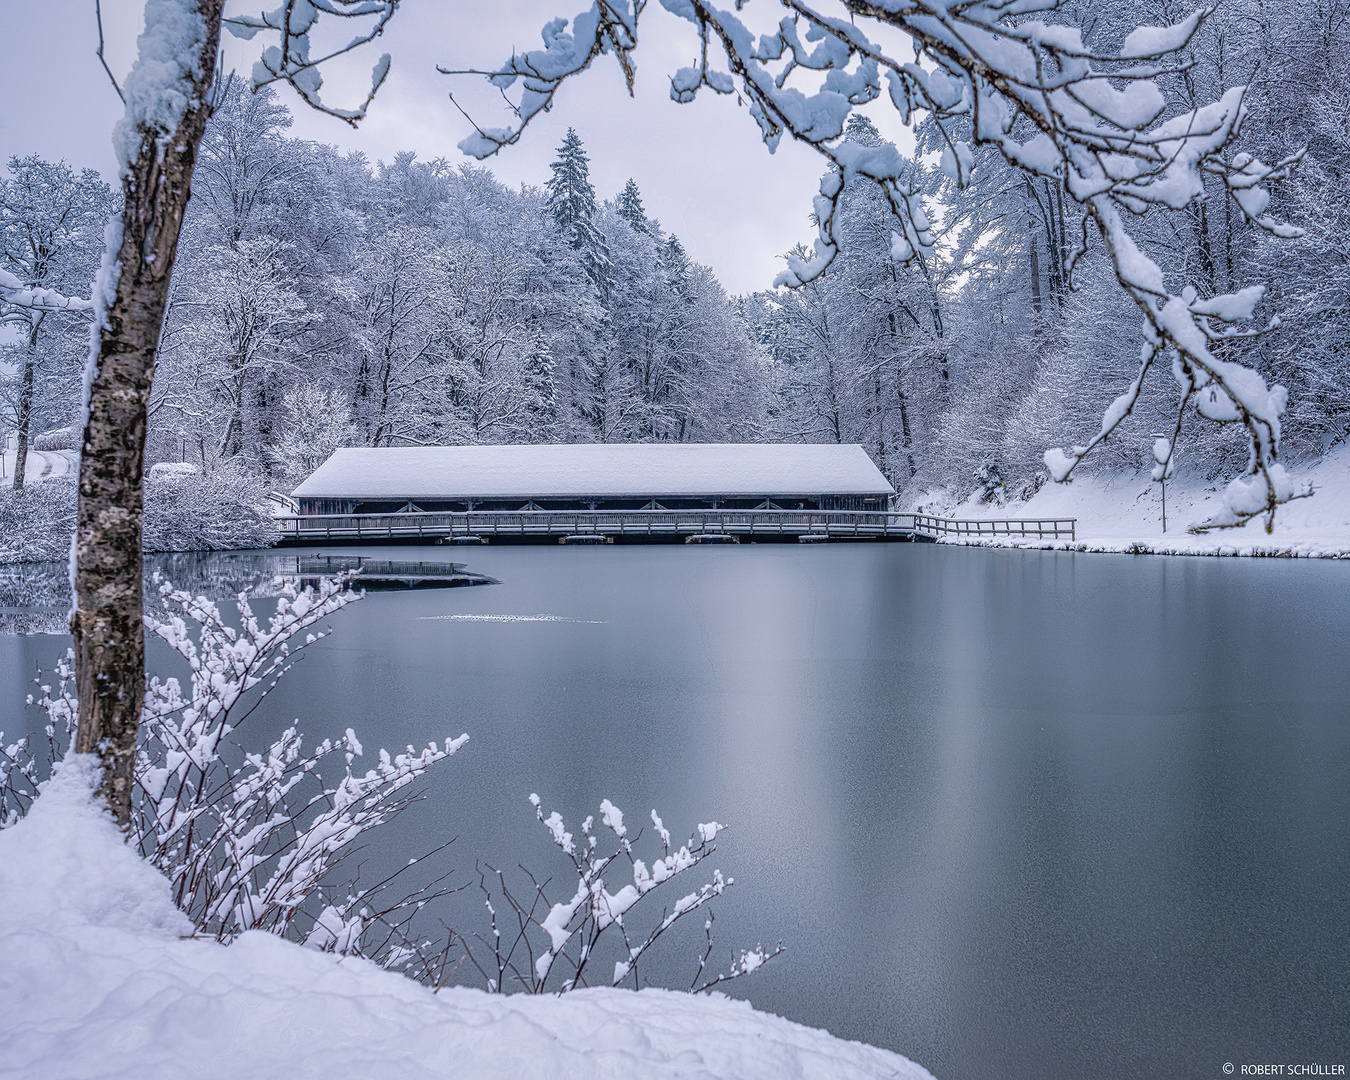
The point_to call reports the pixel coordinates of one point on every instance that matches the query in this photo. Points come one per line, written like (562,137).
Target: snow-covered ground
(1124,513)
(98,979)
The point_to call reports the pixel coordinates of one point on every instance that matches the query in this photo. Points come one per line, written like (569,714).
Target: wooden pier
(654,526)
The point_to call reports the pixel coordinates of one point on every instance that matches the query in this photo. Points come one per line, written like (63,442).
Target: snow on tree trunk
(168,103)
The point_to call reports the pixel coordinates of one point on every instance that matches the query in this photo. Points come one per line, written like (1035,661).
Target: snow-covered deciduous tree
(50,220)
(317,422)
(168,96)
(400,325)
(244,160)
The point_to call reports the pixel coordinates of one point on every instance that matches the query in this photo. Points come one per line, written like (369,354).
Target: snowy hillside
(1123,512)
(97,979)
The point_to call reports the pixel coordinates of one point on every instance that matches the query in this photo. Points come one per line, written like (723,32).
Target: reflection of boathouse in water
(596,476)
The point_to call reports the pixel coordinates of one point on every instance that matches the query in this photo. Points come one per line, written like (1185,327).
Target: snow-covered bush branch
(532,939)
(1015,76)
(37,521)
(220,510)
(248,847)
(249,840)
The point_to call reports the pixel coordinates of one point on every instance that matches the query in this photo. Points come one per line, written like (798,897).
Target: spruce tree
(861,130)
(571,201)
(538,378)
(631,208)
(676,263)
(571,198)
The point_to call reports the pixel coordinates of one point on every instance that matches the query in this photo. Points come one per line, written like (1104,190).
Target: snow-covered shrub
(990,480)
(257,840)
(531,938)
(248,847)
(172,470)
(56,439)
(248,840)
(216,511)
(37,521)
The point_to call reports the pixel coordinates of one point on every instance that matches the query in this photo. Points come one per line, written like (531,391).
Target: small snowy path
(42,464)
(97,980)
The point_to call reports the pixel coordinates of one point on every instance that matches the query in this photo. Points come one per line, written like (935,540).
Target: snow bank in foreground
(96,980)
(1124,513)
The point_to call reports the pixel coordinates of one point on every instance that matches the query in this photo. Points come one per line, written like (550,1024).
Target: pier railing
(1038,528)
(656,524)
(617,523)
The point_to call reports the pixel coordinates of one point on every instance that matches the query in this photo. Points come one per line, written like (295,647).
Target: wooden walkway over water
(639,526)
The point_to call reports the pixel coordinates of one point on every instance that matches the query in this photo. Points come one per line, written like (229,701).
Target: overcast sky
(701,167)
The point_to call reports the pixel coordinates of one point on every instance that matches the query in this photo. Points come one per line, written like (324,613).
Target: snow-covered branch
(542,938)
(292,59)
(1015,76)
(34,298)
(607,27)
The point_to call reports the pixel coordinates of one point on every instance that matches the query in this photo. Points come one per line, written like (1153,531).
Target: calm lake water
(1014,814)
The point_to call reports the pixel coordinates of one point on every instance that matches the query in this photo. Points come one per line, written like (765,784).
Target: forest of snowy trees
(322,300)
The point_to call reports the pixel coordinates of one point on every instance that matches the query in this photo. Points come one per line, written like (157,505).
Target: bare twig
(98,17)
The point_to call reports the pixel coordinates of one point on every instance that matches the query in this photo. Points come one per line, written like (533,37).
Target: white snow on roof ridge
(613,470)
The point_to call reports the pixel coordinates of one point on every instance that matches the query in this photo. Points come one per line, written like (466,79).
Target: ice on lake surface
(1020,814)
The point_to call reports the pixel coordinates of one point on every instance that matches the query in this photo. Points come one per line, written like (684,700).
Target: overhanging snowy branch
(290,60)
(994,73)
(32,298)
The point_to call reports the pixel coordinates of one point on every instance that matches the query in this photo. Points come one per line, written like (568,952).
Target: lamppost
(1163,478)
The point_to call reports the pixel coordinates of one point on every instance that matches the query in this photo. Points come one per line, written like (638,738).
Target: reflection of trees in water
(35,597)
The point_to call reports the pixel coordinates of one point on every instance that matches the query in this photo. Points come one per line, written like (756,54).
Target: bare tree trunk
(1035,275)
(881,422)
(24,413)
(109,634)
(900,394)
(1062,250)
(904,430)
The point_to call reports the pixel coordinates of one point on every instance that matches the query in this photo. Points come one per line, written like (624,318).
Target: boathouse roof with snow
(595,476)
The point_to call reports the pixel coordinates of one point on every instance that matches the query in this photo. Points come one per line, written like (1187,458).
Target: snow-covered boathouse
(595,476)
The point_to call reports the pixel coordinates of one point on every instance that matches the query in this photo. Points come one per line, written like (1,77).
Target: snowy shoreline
(101,977)
(1122,514)
(1142,547)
